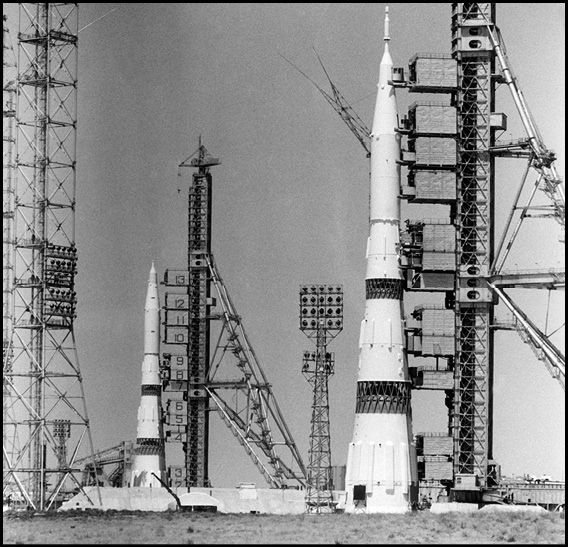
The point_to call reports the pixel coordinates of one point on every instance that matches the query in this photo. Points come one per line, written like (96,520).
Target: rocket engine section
(150,453)
(381,475)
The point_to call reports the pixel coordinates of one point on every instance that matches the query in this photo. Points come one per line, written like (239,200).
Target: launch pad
(449,154)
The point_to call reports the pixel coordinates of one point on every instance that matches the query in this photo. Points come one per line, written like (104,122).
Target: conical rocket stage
(149,456)
(381,475)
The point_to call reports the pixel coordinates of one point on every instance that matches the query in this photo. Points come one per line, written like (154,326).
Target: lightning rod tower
(46,408)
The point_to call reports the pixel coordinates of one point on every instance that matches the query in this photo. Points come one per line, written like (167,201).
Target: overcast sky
(290,199)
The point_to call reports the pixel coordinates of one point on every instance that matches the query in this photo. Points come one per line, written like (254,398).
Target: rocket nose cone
(153,274)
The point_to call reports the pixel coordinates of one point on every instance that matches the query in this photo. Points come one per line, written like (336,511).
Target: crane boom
(342,107)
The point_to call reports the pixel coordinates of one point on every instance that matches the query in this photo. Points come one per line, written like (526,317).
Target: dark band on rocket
(383,397)
(151,389)
(148,447)
(383,288)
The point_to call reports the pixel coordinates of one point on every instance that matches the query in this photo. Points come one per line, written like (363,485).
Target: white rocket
(381,475)
(150,456)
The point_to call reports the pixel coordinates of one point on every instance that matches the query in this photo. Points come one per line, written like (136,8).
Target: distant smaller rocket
(150,454)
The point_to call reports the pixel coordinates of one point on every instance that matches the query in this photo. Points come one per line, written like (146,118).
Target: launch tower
(475,200)
(227,378)
(187,320)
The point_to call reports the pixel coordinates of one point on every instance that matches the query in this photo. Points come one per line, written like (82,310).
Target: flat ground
(133,527)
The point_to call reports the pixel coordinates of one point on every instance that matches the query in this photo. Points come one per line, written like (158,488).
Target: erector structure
(45,412)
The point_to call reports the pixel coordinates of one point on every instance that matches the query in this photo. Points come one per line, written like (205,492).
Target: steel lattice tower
(199,291)
(8,137)
(187,326)
(321,318)
(47,407)
(471,414)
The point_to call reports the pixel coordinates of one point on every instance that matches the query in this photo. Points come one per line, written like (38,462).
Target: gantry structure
(452,143)
(45,415)
(321,320)
(199,376)
(452,150)
(111,467)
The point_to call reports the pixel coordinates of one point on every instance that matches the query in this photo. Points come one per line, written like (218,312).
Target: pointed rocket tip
(153,277)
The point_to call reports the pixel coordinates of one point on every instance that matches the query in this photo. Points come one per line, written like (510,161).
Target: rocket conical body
(149,456)
(381,475)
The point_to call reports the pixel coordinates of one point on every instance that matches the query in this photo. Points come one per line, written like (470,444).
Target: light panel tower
(321,319)
(47,408)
